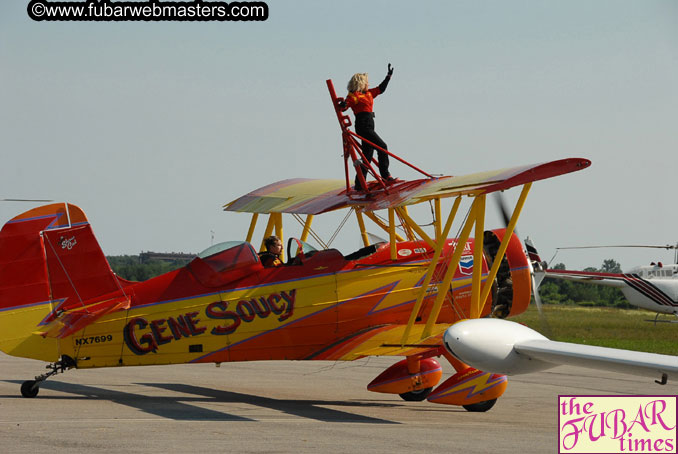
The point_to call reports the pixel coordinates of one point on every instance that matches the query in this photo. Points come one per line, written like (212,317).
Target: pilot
(360,98)
(271,256)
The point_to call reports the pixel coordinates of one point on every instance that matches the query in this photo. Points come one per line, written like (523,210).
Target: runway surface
(279,407)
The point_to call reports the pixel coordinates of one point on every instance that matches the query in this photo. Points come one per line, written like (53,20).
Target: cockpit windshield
(296,247)
(229,255)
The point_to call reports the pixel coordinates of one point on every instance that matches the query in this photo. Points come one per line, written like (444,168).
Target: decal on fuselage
(466,265)
(67,243)
(142,336)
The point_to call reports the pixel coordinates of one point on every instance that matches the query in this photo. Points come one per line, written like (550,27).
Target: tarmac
(279,406)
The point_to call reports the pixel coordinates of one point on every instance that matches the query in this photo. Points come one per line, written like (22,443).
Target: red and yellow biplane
(418,296)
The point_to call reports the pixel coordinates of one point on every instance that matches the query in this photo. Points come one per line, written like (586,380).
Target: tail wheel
(481,406)
(30,388)
(416,396)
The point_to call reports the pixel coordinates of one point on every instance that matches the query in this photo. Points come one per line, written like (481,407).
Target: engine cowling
(512,286)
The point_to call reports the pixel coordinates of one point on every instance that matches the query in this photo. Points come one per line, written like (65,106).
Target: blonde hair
(357,83)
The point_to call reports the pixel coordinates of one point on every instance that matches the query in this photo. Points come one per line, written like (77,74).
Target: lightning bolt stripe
(477,383)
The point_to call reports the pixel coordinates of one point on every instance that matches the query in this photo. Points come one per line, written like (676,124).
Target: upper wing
(309,196)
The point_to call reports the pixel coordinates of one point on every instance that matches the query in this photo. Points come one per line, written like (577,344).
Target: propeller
(533,260)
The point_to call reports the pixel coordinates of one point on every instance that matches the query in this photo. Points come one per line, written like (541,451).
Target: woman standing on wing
(360,98)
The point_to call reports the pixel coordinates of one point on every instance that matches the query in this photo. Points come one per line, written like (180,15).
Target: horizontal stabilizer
(74,320)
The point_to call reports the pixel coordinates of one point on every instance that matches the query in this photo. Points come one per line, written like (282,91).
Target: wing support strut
(431,269)
(275,223)
(504,244)
(453,264)
(480,291)
(361,225)
(381,224)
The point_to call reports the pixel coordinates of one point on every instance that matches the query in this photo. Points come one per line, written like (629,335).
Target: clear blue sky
(152,127)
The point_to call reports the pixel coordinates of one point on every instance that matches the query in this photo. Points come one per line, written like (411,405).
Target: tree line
(558,291)
(131,268)
(552,291)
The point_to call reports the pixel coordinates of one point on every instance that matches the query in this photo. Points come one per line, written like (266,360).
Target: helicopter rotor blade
(649,246)
(25,200)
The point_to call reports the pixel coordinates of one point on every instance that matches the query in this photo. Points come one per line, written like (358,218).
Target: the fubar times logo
(617,424)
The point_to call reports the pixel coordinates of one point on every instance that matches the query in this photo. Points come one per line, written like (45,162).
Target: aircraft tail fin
(50,264)
(538,265)
(532,253)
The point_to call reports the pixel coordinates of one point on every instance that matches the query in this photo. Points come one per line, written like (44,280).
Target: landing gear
(480,406)
(416,396)
(30,388)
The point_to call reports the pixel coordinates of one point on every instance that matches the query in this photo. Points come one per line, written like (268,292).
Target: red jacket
(362,102)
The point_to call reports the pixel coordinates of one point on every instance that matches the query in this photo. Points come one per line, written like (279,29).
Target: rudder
(50,262)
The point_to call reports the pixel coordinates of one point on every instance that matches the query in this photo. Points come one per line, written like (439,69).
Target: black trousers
(364,127)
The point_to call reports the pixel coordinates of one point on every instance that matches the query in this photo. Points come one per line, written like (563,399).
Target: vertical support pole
(443,288)
(477,277)
(381,224)
(307,227)
(279,231)
(392,233)
(404,216)
(458,365)
(253,224)
(438,223)
(414,364)
(411,225)
(268,232)
(504,245)
(361,224)
(431,269)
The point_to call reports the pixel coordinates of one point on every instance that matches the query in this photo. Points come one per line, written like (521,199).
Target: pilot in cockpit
(271,256)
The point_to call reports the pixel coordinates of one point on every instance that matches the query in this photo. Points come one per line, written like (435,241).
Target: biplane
(418,296)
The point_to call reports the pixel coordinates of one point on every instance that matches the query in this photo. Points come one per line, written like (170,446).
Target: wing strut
(431,269)
(502,247)
(479,291)
(454,263)
(361,224)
